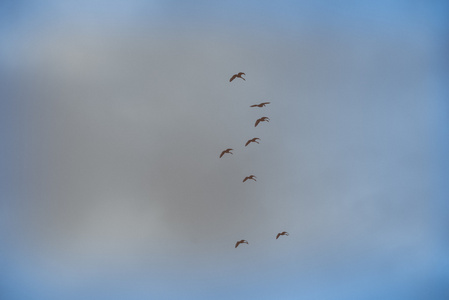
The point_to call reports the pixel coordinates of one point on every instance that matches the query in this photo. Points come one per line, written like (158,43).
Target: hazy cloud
(128,129)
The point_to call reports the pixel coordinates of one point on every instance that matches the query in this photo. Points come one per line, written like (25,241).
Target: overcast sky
(114,114)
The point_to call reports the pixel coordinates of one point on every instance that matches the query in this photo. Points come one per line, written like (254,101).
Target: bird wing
(265,103)
(254,105)
(257,122)
(278,235)
(222,153)
(241,73)
(247,143)
(246,178)
(236,244)
(233,77)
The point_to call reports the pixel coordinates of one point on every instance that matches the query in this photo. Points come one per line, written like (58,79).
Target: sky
(113,115)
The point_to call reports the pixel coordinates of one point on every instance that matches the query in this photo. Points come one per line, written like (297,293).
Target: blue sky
(113,114)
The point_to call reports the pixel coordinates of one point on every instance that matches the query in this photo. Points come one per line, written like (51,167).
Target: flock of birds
(253,140)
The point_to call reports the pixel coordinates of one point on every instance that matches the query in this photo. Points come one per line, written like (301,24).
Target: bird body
(250,177)
(282,233)
(239,75)
(241,242)
(263,119)
(260,105)
(253,140)
(226,151)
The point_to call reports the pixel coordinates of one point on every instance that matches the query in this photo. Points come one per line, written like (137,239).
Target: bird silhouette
(282,233)
(241,242)
(253,140)
(226,151)
(260,105)
(239,75)
(263,119)
(250,177)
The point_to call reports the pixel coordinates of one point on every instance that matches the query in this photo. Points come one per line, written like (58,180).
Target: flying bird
(241,242)
(282,233)
(226,151)
(263,119)
(250,177)
(254,140)
(260,105)
(239,75)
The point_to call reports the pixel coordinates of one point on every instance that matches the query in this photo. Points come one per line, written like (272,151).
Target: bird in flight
(282,233)
(254,140)
(226,151)
(263,119)
(250,177)
(260,105)
(239,75)
(241,242)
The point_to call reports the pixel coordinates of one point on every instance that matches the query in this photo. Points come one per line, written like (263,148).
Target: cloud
(128,130)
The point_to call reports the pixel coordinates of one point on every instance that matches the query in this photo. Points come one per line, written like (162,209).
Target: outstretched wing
(246,178)
(236,244)
(247,143)
(241,73)
(233,77)
(255,105)
(278,235)
(222,153)
(265,103)
(257,122)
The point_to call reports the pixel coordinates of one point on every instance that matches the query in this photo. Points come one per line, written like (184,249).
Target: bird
(282,233)
(241,242)
(226,151)
(239,75)
(263,119)
(250,177)
(260,105)
(253,140)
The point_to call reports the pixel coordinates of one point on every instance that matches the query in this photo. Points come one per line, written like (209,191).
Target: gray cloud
(128,131)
